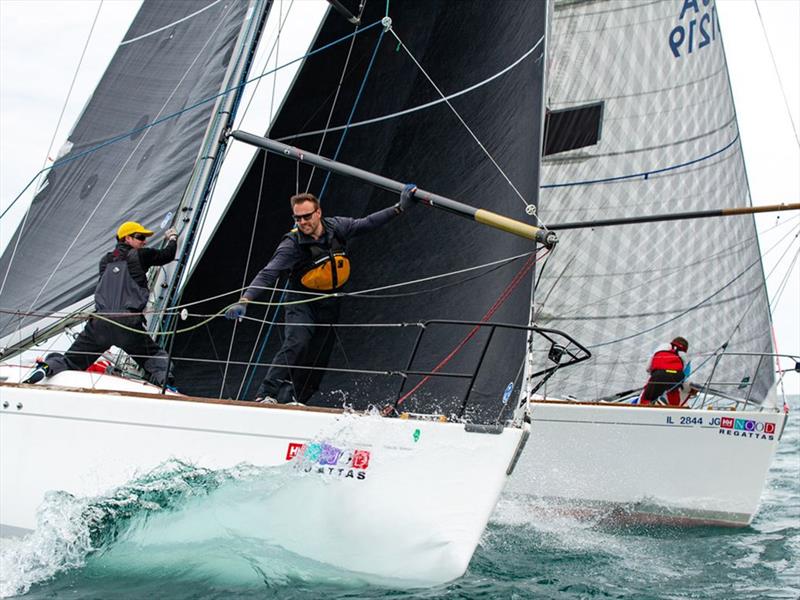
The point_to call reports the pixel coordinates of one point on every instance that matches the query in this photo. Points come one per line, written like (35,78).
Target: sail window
(88,186)
(572,128)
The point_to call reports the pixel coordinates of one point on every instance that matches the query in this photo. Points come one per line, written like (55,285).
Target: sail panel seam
(461,120)
(199,103)
(643,174)
(160,29)
(419,107)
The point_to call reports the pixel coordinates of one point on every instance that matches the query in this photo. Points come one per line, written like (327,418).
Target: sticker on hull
(327,459)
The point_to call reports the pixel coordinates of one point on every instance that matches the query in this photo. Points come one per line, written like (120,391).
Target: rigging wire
(244,275)
(750,304)
(353,109)
(777,74)
(128,159)
(276,47)
(419,107)
(335,96)
(273,49)
(52,140)
(504,295)
(264,342)
(313,295)
(165,118)
(567,309)
(212,147)
(297,191)
(124,136)
(527,204)
(782,286)
(686,311)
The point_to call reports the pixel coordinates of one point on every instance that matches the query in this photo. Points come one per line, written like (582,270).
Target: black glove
(406,198)
(236,311)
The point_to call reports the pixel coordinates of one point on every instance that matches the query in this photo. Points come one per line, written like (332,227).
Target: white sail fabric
(668,142)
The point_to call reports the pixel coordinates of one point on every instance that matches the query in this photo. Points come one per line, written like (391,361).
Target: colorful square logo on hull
(360,459)
(293,449)
(330,455)
(327,455)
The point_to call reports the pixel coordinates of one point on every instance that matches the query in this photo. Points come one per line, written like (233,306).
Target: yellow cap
(131,227)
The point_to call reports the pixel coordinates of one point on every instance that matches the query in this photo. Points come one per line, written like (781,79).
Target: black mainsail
(488,58)
(172,60)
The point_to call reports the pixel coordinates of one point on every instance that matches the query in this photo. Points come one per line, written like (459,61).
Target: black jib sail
(449,98)
(175,54)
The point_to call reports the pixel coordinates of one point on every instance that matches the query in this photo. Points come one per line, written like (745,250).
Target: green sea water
(132,545)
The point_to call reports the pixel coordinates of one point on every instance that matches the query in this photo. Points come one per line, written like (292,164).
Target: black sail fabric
(175,54)
(494,53)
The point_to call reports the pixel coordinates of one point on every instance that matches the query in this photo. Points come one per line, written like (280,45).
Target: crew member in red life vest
(667,373)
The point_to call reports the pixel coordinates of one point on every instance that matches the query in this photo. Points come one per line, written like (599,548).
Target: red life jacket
(666,360)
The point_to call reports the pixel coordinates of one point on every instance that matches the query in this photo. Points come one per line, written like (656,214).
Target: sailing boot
(41,371)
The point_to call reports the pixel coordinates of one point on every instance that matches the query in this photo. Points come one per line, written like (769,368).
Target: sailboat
(435,324)
(644,129)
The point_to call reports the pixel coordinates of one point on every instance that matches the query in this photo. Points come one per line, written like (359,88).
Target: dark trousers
(98,336)
(663,381)
(306,345)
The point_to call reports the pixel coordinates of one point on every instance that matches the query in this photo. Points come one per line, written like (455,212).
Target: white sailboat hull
(411,507)
(648,464)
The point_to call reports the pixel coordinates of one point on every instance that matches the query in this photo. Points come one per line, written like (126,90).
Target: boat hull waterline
(415,494)
(647,464)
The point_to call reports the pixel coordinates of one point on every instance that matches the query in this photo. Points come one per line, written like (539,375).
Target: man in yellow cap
(120,297)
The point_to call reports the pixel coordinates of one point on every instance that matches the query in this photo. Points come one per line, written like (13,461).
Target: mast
(209,161)
(139,173)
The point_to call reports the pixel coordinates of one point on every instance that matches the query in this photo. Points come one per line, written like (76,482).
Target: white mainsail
(663,138)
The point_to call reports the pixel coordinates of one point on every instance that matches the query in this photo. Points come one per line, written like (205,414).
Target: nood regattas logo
(745,428)
(329,460)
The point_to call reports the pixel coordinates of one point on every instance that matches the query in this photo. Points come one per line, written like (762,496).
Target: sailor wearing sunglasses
(314,256)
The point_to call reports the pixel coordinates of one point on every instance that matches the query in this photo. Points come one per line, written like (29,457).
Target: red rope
(489,313)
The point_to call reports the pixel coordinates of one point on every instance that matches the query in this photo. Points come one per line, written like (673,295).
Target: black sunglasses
(139,236)
(305,217)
